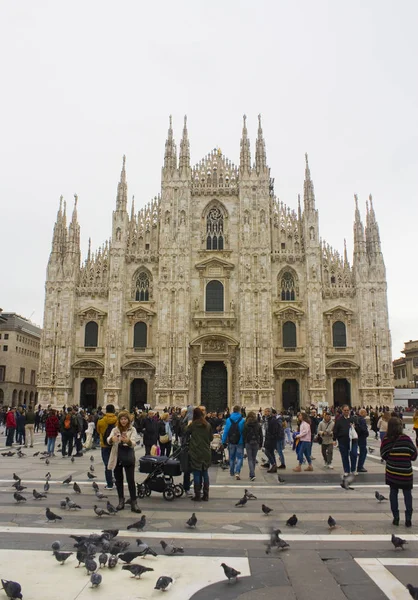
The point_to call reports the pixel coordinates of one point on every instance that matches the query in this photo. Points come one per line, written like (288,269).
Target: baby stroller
(160,473)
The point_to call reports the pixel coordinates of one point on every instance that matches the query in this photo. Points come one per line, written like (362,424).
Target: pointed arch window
(140,335)
(287,286)
(142,287)
(91,334)
(339,335)
(214,229)
(214,296)
(289,335)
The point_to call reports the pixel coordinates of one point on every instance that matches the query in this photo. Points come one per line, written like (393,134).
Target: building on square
(217,293)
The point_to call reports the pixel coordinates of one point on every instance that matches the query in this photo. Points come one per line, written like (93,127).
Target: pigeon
(138,525)
(332,523)
(192,522)
(230,573)
(91,458)
(35,454)
(119,546)
(281,544)
(12,588)
(96,579)
(292,521)
(266,510)
(111,508)
(92,468)
(71,504)
(128,557)
(100,512)
(62,556)
(47,461)
(81,557)
(100,496)
(242,502)
(136,570)
(17,484)
(76,488)
(379,497)
(90,475)
(112,532)
(103,559)
(249,495)
(20,454)
(38,496)
(68,480)
(280,479)
(63,504)
(346,480)
(398,542)
(112,562)
(95,486)
(18,497)
(370,450)
(55,546)
(16,478)
(169,549)
(413,591)
(19,488)
(48,476)
(72,459)
(50,516)
(46,487)
(144,549)
(163,583)
(91,565)
(8,453)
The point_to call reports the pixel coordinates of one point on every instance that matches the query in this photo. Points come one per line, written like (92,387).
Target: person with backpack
(270,439)
(253,439)
(233,435)
(68,428)
(104,429)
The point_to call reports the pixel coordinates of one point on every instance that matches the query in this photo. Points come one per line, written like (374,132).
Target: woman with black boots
(122,439)
(398,450)
(200,454)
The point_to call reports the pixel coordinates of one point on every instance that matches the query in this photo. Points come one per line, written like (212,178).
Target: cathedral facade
(215,293)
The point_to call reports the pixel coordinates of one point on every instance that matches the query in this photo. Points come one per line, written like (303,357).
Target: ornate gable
(214,267)
(215,174)
(339,313)
(141,313)
(91,314)
(289,313)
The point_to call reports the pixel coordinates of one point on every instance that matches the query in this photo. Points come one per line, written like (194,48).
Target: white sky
(85,82)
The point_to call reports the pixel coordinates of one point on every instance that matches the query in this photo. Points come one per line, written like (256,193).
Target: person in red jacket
(52,428)
(10,426)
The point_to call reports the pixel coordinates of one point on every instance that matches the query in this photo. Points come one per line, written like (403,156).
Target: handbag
(164,439)
(352,434)
(126,456)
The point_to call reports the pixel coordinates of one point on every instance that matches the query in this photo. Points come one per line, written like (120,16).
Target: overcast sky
(85,82)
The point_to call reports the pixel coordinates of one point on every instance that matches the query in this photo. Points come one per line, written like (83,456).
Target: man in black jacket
(363,434)
(150,431)
(271,438)
(346,445)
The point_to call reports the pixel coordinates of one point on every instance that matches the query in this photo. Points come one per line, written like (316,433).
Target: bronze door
(214,394)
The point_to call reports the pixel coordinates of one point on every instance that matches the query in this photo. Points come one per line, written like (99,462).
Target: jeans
(108,472)
(279,448)
(236,457)
(130,478)
(252,450)
(10,436)
(51,445)
(67,439)
(362,444)
(165,449)
(305,451)
(393,497)
(78,444)
(20,436)
(200,477)
(270,456)
(186,481)
(382,435)
(348,455)
(327,451)
(288,435)
(29,429)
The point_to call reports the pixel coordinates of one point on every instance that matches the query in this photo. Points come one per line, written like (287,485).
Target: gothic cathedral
(215,293)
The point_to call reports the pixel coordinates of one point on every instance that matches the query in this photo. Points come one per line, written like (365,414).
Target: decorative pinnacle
(170,119)
(185,121)
(259,121)
(244,118)
(356,201)
(75,200)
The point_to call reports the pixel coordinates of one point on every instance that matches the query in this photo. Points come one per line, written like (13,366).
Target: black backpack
(107,433)
(234,434)
(253,437)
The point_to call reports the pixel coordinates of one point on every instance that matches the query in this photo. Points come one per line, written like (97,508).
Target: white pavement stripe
(383,578)
(199,535)
(378,458)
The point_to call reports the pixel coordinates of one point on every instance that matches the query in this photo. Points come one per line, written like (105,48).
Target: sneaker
(326,466)
(281,466)
(265,466)
(31,446)
(355,473)
(330,467)
(78,455)
(273,469)
(362,470)
(252,478)
(237,476)
(346,474)
(109,487)
(188,493)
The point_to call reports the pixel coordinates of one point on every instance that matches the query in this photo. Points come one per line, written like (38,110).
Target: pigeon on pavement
(95,486)
(100,512)
(48,476)
(47,461)
(128,557)
(192,522)
(96,579)
(169,549)
(92,468)
(242,502)
(230,573)
(280,479)
(266,510)
(100,496)
(55,546)
(92,458)
(112,532)
(379,497)
(46,487)
(103,559)
(50,516)
(16,478)
(346,480)
(68,480)
(138,525)
(19,488)
(76,488)
(71,504)
(90,475)
(18,497)
(91,565)
(370,450)
(72,459)
(38,496)
(12,588)
(113,561)
(332,523)
(136,570)
(62,556)
(111,508)
(249,495)
(144,549)
(163,583)
(292,521)
(413,591)
(398,542)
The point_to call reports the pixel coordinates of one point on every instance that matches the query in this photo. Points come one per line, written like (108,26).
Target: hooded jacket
(199,446)
(234,417)
(103,424)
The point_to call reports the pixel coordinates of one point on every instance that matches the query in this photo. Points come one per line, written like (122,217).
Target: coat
(398,455)
(131,434)
(10,420)
(272,433)
(199,448)
(52,426)
(103,424)
(252,429)
(150,431)
(236,417)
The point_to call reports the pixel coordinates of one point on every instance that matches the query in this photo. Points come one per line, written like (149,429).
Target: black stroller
(160,473)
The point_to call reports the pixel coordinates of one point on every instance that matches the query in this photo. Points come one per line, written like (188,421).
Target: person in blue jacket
(233,436)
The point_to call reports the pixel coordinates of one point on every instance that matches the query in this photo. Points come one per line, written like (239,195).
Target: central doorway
(88,393)
(214,394)
(342,392)
(138,395)
(290,395)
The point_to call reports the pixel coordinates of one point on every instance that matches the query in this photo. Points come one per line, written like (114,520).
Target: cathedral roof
(215,173)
